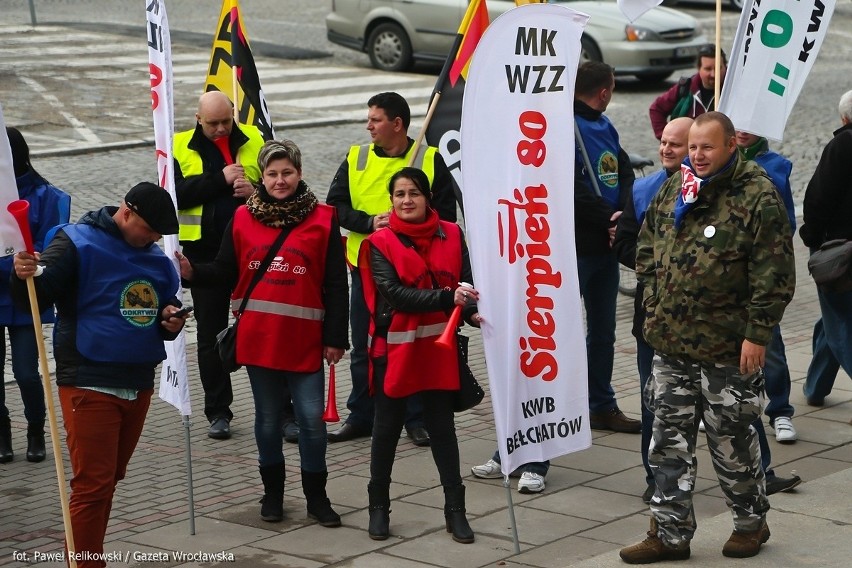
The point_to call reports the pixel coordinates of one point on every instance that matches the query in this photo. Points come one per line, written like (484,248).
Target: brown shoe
(746,544)
(652,549)
(616,421)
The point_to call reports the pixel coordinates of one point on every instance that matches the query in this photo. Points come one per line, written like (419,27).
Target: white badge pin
(709,231)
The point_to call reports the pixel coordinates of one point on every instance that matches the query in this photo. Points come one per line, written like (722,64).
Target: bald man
(673,149)
(215,166)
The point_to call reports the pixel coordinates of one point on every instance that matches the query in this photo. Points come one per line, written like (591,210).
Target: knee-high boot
(379,494)
(319,506)
(454,513)
(272,504)
(6,453)
(35,441)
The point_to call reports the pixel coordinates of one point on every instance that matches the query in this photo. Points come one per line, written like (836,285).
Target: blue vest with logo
(602,145)
(644,190)
(122,291)
(779,168)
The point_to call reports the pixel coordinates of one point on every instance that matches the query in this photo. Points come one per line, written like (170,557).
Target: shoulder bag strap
(276,246)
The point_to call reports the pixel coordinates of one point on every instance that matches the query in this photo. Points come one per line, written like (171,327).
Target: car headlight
(638,33)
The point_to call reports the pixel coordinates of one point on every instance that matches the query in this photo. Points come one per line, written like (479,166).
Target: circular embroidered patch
(608,168)
(139,303)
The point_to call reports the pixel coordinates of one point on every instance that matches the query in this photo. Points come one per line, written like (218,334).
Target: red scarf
(223,143)
(420,233)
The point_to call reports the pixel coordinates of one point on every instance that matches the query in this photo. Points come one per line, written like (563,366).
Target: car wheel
(589,50)
(389,48)
(654,76)
(738,4)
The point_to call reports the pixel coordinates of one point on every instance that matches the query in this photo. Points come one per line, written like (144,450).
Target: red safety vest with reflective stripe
(415,362)
(281,326)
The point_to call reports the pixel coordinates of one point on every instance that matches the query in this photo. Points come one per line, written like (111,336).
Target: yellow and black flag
(231,62)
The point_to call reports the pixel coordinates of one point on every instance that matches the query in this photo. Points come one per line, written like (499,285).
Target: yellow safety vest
(368,183)
(191,165)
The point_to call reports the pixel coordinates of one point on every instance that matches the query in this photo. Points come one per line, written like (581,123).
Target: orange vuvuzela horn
(330,414)
(448,336)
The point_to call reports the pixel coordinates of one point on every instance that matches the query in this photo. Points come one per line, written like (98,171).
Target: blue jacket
(49,206)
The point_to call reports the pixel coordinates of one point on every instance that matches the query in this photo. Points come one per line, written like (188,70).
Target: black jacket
(828,198)
(59,284)
(208,188)
(592,213)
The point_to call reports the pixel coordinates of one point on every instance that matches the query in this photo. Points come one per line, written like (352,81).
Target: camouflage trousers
(685,392)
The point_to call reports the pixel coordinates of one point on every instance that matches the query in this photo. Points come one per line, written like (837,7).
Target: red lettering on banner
(156,79)
(161,155)
(537,350)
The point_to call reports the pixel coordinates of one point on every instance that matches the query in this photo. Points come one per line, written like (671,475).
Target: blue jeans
(22,339)
(269,389)
(645,364)
(360,403)
(823,368)
(599,287)
(540,468)
(777,378)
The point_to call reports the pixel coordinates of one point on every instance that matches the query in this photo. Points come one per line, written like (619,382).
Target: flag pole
(234,82)
(436,95)
(717,87)
(19,210)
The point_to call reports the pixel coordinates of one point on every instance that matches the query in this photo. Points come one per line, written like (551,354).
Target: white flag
(11,240)
(174,386)
(774,50)
(633,9)
(518,147)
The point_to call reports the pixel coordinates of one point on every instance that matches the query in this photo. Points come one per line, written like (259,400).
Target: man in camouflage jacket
(715,257)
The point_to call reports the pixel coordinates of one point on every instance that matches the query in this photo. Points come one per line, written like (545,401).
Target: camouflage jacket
(707,289)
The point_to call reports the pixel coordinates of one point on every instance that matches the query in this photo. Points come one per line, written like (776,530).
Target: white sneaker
(531,483)
(488,470)
(784,431)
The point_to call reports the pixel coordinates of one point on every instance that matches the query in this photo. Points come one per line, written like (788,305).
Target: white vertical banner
(174,385)
(11,239)
(776,45)
(518,149)
(633,9)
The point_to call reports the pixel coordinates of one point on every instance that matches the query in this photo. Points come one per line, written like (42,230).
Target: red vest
(415,362)
(281,327)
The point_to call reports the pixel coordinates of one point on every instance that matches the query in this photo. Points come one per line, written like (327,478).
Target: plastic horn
(448,337)
(330,414)
(20,211)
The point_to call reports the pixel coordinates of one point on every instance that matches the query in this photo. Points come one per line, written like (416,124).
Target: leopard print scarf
(284,213)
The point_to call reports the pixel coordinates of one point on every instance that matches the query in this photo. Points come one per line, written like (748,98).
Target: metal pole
(32,13)
(186,426)
(512,523)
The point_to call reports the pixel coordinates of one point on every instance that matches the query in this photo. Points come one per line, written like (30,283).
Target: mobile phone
(182,312)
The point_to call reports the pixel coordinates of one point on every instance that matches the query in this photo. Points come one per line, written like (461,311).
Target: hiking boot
(746,544)
(652,549)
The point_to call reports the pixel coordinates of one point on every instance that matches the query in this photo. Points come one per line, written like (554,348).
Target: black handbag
(226,340)
(831,265)
(470,393)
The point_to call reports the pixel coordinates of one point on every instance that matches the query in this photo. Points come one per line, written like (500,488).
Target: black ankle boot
(379,527)
(454,513)
(6,453)
(319,506)
(272,504)
(35,441)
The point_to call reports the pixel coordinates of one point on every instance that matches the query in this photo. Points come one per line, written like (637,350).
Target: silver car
(395,33)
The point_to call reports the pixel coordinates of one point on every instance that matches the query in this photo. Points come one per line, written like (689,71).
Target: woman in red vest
(296,317)
(411,273)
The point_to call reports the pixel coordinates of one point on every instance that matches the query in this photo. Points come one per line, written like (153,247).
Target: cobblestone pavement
(590,507)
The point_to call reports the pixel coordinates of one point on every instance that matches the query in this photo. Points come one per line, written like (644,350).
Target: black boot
(454,514)
(35,441)
(272,504)
(6,453)
(319,507)
(379,494)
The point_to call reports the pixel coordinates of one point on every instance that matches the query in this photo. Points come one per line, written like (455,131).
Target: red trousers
(102,431)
